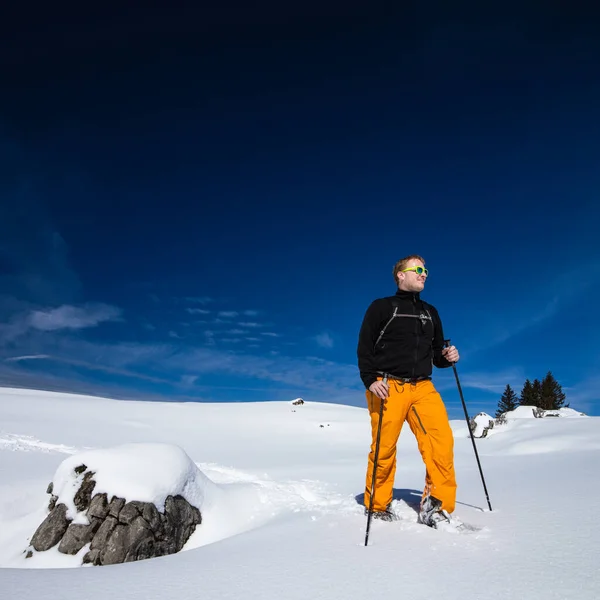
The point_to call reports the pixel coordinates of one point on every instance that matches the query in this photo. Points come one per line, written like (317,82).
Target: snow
(143,472)
(280,489)
(482,421)
(527,412)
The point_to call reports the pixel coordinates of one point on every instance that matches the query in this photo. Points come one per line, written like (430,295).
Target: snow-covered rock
(530,412)
(124,503)
(481,424)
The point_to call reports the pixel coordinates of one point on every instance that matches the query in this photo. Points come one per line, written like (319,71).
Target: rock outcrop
(117,531)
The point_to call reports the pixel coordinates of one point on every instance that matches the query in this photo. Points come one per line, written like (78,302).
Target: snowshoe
(382,515)
(431,512)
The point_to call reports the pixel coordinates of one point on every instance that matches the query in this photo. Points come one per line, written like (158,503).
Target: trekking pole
(375,459)
(447,343)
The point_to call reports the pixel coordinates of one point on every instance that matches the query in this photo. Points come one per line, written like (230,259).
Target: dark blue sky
(202,205)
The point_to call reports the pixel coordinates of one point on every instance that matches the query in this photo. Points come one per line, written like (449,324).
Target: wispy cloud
(324,340)
(27,357)
(178,364)
(492,381)
(72,317)
(34,254)
(198,311)
(250,313)
(585,394)
(250,324)
(189,380)
(199,299)
(227,313)
(534,306)
(270,334)
(66,317)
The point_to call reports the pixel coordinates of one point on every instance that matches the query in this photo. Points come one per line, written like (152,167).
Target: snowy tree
(509,401)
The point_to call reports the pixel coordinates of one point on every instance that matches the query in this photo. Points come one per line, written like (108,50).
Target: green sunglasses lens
(417,270)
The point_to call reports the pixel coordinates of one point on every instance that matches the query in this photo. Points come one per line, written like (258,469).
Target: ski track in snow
(284,496)
(263,499)
(27,443)
(271,497)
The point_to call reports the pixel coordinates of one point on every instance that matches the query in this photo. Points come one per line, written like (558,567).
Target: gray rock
(104,533)
(130,512)
(52,529)
(77,536)
(98,507)
(115,506)
(52,502)
(83,497)
(118,531)
(181,519)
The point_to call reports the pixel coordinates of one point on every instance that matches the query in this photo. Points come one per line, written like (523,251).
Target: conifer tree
(527,395)
(552,396)
(508,401)
(536,387)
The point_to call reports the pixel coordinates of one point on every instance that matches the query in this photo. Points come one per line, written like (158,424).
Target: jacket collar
(412,296)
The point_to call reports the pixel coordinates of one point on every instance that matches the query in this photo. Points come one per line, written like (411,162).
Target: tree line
(546,394)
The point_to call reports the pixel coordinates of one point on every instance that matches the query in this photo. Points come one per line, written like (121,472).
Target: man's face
(409,281)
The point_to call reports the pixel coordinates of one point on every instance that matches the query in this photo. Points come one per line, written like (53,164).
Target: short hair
(401,264)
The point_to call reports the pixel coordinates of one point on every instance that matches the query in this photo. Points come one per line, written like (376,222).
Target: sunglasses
(417,270)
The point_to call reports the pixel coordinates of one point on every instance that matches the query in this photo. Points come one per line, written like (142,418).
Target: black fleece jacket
(412,342)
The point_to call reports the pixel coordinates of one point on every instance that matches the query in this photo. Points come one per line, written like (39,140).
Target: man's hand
(380,389)
(451,354)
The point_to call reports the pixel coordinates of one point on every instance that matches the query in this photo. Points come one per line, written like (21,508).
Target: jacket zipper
(419,419)
(417,340)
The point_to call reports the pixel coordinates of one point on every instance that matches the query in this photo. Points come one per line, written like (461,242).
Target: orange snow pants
(421,405)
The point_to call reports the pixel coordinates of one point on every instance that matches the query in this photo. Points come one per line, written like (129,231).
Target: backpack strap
(394,315)
(394,303)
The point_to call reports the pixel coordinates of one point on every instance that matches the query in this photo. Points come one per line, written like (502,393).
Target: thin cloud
(198,311)
(168,363)
(585,394)
(227,313)
(189,380)
(510,324)
(27,357)
(250,313)
(250,324)
(38,256)
(324,340)
(493,381)
(199,299)
(270,334)
(72,317)
(65,317)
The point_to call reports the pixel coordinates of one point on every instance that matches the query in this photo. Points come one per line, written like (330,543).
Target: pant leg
(428,420)
(394,414)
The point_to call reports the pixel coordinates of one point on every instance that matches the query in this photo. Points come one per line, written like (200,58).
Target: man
(401,337)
